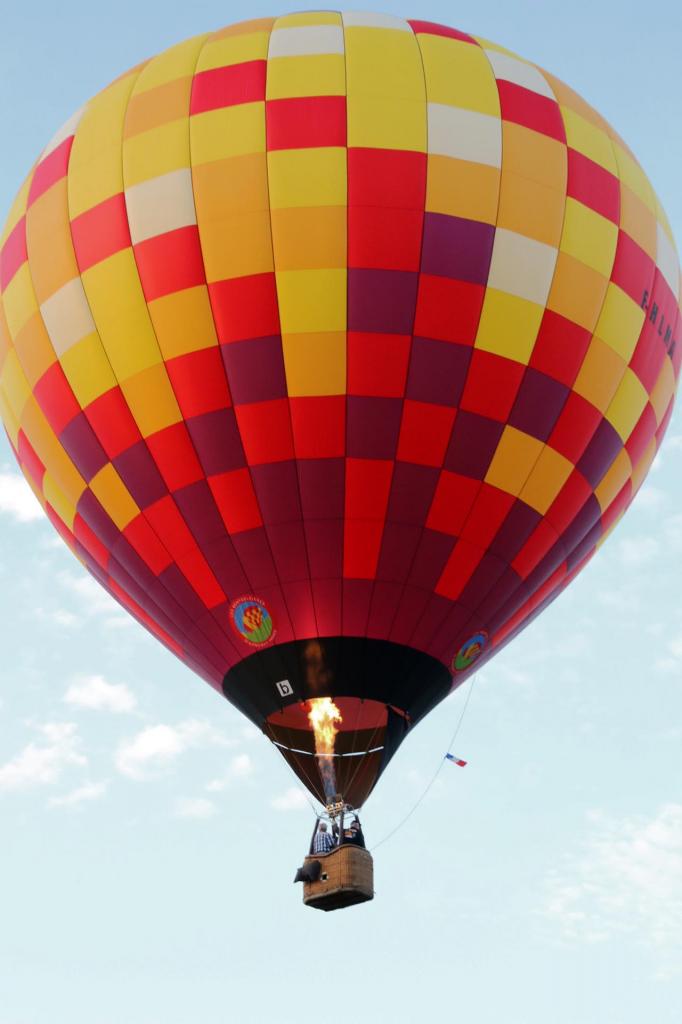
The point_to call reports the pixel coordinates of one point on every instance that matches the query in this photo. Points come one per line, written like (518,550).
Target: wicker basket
(347,877)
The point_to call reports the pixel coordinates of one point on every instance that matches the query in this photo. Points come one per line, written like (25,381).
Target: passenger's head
(323,827)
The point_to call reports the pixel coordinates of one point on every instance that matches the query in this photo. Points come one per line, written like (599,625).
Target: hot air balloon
(334,345)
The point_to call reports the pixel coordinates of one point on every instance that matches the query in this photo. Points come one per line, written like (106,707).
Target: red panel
(424,433)
(174,454)
(536,547)
(377,364)
(228,86)
(528,108)
(13,253)
(448,310)
(101,232)
(568,501)
(170,262)
(458,571)
(385,238)
(593,185)
(433,29)
(575,427)
(52,169)
(633,269)
(642,435)
(265,430)
(113,423)
(361,548)
(245,307)
(560,348)
(491,386)
(452,502)
(144,618)
(29,460)
(319,426)
(92,544)
(306,121)
(487,515)
(389,178)
(142,538)
(56,399)
(236,500)
(166,520)
(199,382)
(617,506)
(368,484)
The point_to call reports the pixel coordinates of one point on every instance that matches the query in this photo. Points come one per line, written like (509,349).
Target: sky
(149,836)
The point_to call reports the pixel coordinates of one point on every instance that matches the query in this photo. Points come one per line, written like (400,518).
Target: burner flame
(323,716)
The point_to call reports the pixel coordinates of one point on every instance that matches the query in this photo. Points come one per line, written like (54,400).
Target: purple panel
(585,546)
(287,543)
(255,369)
(456,624)
(357,595)
(175,612)
(79,441)
(324,538)
(199,510)
(372,427)
(438,370)
(215,436)
(140,474)
(515,530)
(276,487)
(398,547)
(222,558)
(589,514)
(125,555)
(483,579)
(412,489)
(472,444)
(600,453)
(383,606)
(410,610)
(322,483)
(327,600)
(431,558)
(277,606)
(499,594)
(434,614)
(381,300)
(457,248)
(179,588)
(207,627)
(299,598)
(104,528)
(538,404)
(254,554)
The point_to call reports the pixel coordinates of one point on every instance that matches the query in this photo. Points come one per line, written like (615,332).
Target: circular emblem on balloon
(470,651)
(252,620)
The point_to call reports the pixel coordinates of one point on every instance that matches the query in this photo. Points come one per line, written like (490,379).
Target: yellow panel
(14,384)
(383,63)
(156,152)
(307,177)
(59,501)
(48,237)
(243,28)
(589,237)
(237,245)
(533,155)
(315,364)
(614,481)
(88,370)
(577,292)
(50,452)
(508,326)
(589,140)
(513,460)
(634,177)
(151,400)
(312,74)
(230,131)
(223,51)
(378,123)
(530,208)
(643,466)
(5,340)
(112,494)
(620,322)
(34,349)
(600,374)
(309,237)
(568,98)
(312,300)
(10,421)
(663,390)
(18,208)
(662,218)
(183,321)
(19,300)
(458,74)
(548,476)
(637,220)
(171,64)
(234,185)
(462,189)
(155,107)
(627,405)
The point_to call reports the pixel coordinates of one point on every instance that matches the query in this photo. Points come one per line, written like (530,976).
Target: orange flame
(323,716)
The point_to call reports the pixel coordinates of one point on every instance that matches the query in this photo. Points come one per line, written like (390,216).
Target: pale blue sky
(147,851)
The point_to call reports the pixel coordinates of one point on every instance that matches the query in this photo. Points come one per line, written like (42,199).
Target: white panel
(307,39)
(521,266)
(512,70)
(367,19)
(160,204)
(666,260)
(67,129)
(67,316)
(465,134)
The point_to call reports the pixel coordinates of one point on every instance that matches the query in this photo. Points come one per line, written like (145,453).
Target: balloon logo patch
(252,620)
(469,651)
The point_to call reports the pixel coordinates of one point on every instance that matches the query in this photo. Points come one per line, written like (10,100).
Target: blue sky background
(148,835)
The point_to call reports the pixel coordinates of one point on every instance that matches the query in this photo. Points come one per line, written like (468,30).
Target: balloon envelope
(333,346)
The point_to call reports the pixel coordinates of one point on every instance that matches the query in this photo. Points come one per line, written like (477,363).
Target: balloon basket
(346,877)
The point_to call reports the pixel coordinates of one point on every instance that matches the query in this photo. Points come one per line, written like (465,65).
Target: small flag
(455,760)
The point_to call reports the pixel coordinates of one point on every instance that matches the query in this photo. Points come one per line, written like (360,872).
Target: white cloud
(649,498)
(93,599)
(626,880)
(17,500)
(40,764)
(240,767)
(83,794)
(154,749)
(96,693)
(199,807)
(638,551)
(292,799)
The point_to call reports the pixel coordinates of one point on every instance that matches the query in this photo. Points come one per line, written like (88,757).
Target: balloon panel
(340,327)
